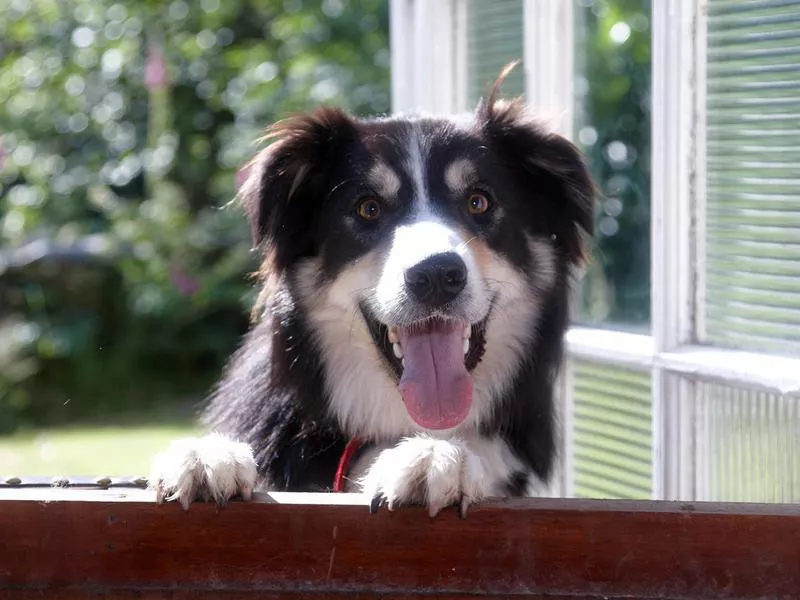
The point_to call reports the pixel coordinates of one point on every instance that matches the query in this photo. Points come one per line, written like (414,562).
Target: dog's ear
(550,162)
(290,174)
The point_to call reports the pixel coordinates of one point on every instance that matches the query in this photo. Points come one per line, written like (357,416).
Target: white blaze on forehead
(416,159)
(385,181)
(459,175)
(422,239)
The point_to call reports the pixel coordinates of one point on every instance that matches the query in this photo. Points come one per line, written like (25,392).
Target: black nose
(438,279)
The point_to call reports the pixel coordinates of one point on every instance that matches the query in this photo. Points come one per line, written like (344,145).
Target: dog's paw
(207,468)
(426,471)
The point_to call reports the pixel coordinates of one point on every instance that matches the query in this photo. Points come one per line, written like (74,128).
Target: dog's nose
(438,279)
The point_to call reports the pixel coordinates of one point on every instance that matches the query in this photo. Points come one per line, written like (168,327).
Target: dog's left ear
(552,163)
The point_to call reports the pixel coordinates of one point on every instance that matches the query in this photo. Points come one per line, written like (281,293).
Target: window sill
(731,367)
(768,372)
(72,543)
(605,345)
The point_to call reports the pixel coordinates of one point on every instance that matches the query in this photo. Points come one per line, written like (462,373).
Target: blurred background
(123,268)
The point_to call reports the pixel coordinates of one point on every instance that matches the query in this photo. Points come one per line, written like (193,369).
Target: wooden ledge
(119,544)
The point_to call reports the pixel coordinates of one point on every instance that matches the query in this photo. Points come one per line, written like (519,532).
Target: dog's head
(421,252)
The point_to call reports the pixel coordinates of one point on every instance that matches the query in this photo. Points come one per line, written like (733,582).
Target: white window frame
(429,72)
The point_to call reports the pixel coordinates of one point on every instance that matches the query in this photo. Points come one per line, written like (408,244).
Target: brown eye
(369,209)
(478,203)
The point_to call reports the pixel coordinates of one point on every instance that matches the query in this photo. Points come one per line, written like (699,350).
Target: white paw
(434,473)
(207,468)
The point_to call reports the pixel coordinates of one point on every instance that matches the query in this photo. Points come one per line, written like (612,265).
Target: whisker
(466,243)
(497,283)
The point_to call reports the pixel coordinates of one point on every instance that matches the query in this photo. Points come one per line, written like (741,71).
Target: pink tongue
(435,385)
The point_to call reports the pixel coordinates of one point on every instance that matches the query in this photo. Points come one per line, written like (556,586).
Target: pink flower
(155,70)
(183,282)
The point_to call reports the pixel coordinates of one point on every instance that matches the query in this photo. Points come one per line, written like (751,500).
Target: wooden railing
(59,544)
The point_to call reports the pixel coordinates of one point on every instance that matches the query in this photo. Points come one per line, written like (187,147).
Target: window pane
(613,127)
(494,34)
(753,180)
(612,432)
(748,446)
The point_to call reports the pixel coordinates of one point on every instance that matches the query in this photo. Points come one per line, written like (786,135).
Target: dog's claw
(376,503)
(463,507)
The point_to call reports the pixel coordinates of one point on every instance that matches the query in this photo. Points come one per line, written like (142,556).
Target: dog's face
(421,252)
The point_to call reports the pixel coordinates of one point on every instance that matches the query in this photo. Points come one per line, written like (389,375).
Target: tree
(614,129)
(122,126)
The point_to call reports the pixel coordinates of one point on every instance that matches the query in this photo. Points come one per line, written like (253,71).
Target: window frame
(677,360)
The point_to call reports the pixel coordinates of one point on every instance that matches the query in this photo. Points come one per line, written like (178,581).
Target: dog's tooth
(393,335)
(467,331)
(466,345)
(404,362)
(398,351)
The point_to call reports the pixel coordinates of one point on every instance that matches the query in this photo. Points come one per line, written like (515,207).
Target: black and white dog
(415,287)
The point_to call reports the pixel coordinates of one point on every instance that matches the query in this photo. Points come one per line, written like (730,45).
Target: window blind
(494,39)
(612,432)
(752,279)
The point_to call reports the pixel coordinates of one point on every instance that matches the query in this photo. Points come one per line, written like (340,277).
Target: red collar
(344,464)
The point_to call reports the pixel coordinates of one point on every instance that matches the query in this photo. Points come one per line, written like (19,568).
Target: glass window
(747,445)
(752,249)
(612,125)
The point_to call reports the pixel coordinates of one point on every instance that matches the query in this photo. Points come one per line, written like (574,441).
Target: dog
(414,295)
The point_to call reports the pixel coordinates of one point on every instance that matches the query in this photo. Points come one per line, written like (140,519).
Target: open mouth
(432,360)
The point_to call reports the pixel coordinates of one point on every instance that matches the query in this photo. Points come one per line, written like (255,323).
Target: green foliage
(122,126)
(614,129)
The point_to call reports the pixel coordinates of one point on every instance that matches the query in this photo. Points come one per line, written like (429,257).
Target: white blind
(494,39)
(612,432)
(753,175)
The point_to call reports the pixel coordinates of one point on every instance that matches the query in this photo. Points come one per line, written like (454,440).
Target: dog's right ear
(288,177)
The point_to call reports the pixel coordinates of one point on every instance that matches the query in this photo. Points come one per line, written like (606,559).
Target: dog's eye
(369,209)
(478,203)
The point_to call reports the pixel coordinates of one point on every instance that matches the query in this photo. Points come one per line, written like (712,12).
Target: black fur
(273,394)
(275,400)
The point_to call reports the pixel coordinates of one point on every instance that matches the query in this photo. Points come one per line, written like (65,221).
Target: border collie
(414,296)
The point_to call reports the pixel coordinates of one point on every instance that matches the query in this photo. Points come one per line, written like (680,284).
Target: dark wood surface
(69,544)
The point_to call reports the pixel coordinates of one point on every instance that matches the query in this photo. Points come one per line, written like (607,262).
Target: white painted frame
(673,352)
(428,47)
(549,54)
(673,257)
